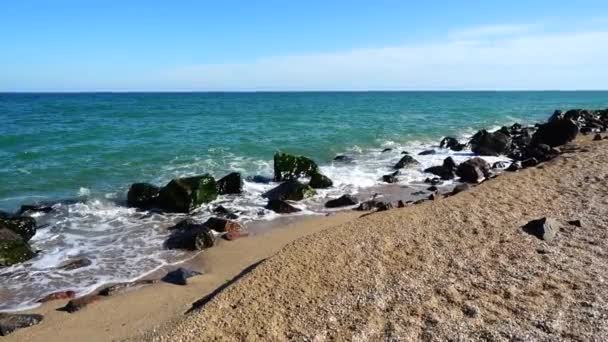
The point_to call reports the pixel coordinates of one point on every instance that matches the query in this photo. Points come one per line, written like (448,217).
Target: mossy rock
(291,190)
(320,181)
(25,226)
(182,195)
(13,249)
(287,166)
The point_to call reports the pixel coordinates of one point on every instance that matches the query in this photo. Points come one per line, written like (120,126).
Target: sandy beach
(457,268)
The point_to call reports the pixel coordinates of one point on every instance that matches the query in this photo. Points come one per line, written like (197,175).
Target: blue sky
(69,45)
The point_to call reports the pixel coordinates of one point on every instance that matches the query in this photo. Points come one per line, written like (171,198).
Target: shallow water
(91,147)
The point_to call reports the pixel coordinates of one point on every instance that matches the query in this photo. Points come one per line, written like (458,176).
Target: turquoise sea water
(91,147)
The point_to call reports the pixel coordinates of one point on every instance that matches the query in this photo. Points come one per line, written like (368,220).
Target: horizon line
(293,91)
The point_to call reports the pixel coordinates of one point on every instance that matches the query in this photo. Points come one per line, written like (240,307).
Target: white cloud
(491,57)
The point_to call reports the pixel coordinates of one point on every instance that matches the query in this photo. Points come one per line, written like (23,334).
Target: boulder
(342,201)
(490,144)
(391,178)
(224,212)
(291,190)
(444,171)
(12,322)
(185,194)
(222,225)
(515,166)
(499,165)
(529,162)
(343,159)
(320,181)
(34,208)
(180,276)
(25,226)
(287,166)
(281,207)
(597,137)
(190,236)
(427,152)
(452,144)
(544,228)
(143,196)
(260,179)
(232,183)
(556,133)
(388,149)
(473,170)
(13,248)
(406,161)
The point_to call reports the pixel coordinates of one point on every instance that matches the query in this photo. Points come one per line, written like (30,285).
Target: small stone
(576,223)
(75,264)
(80,303)
(179,276)
(400,204)
(544,228)
(470,310)
(12,322)
(597,137)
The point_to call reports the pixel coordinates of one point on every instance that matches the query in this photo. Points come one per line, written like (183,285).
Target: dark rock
(529,162)
(25,226)
(556,133)
(433,196)
(12,322)
(405,152)
(433,181)
(319,181)
(406,161)
(342,201)
(499,165)
(490,144)
(80,303)
(452,144)
(143,196)
(576,223)
(343,159)
(287,166)
(460,188)
(557,115)
(13,248)
(125,287)
(391,178)
(75,264)
(232,183)
(387,150)
(445,171)
(544,228)
(470,311)
(515,166)
(597,137)
(222,225)
(473,170)
(190,236)
(427,152)
(34,208)
(432,188)
(291,190)
(180,276)
(222,211)
(260,179)
(281,207)
(185,194)
(373,204)
(57,296)
(383,206)
(400,204)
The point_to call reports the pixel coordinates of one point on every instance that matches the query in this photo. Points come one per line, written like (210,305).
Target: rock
(383,206)
(185,224)
(597,137)
(222,211)
(180,276)
(230,184)
(445,171)
(185,194)
(432,188)
(473,170)
(427,152)
(343,159)
(470,310)
(13,248)
(57,296)
(556,133)
(499,165)
(25,226)
(34,208)
(406,161)
(291,190)
(281,207)
(529,162)
(373,204)
(544,228)
(190,236)
(342,201)
(576,223)
(515,166)
(490,144)
(460,188)
(387,150)
(143,196)
(391,178)
(75,264)
(235,235)
(287,166)
(400,204)
(405,152)
(260,179)
(222,225)
(451,143)
(319,181)
(125,287)
(12,322)
(433,181)
(80,303)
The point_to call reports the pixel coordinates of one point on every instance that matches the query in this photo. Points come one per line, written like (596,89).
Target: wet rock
(427,152)
(342,201)
(391,178)
(57,296)
(190,236)
(75,264)
(232,183)
(544,228)
(406,161)
(387,150)
(432,188)
(185,194)
(473,170)
(12,322)
(556,133)
(374,204)
(25,226)
(343,159)
(383,206)
(281,207)
(597,137)
(499,165)
(400,204)
(222,225)
(143,196)
(78,304)
(260,179)
(126,287)
(222,211)
(291,190)
(180,276)
(287,166)
(490,144)
(13,248)
(460,188)
(445,171)
(515,166)
(529,162)
(452,144)
(320,181)
(433,181)
(34,208)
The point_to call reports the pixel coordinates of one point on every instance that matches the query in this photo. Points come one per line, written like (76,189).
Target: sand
(459,268)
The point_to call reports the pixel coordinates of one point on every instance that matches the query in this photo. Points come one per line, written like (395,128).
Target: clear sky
(111,45)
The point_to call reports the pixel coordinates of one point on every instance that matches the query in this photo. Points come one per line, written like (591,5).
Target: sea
(80,152)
